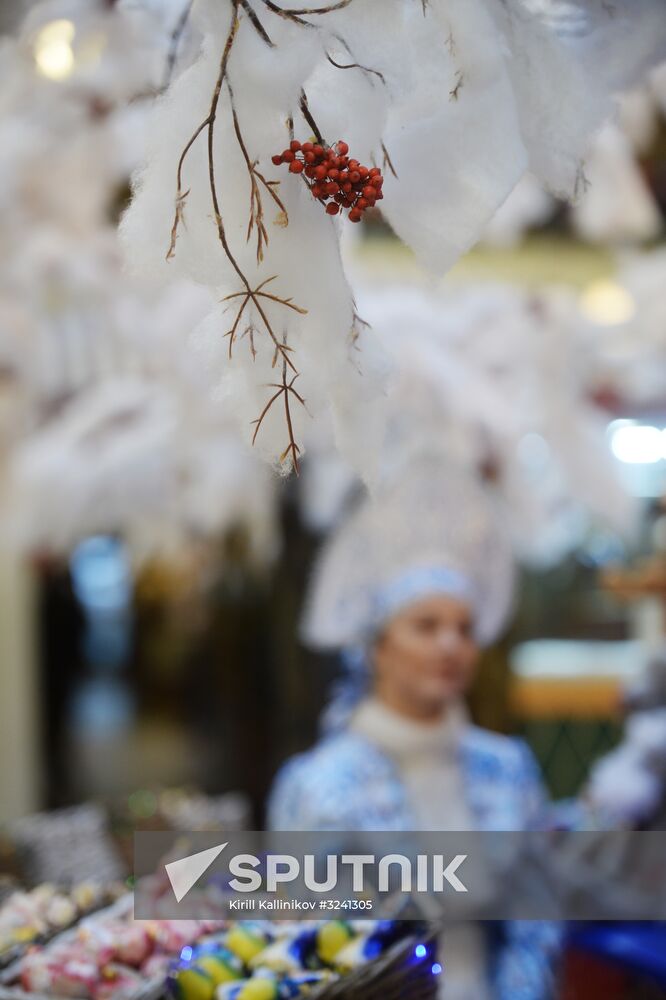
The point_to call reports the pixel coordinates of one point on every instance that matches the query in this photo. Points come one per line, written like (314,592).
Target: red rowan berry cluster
(335,180)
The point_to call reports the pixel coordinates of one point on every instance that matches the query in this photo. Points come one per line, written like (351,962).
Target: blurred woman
(408,588)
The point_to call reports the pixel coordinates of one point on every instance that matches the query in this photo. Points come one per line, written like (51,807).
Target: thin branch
(174,44)
(364,69)
(256,204)
(387,161)
(305,111)
(306,12)
(273,7)
(460,79)
(286,390)
(256,23)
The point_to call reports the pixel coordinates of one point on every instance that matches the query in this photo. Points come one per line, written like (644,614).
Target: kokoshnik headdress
(431,530)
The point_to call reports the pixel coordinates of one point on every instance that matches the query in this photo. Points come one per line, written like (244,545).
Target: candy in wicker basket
(112,957)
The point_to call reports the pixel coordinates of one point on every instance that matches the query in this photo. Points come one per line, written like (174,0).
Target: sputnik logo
(184,873)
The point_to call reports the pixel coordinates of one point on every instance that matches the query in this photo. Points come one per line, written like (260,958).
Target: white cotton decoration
(105,458)
(528,206)
(106,418)
(488,378)
(453,132)
(617,205)
(622,788)
(566,66)
(629,358)
(646,731)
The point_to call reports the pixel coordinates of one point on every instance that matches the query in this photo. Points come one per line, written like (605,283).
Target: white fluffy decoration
(628,358)
(493,378)
(106,422)
(461,95)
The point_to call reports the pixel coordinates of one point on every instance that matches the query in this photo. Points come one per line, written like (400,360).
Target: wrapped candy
(172,935)
(208,967)
(332,936)
(302,983)
(256,988)
(267,987)
(68,975)
(247,939)
(156,966)
(133,944)
(117,983)
(367,946)
(289,955)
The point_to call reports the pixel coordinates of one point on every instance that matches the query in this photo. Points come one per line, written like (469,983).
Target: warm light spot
(53,50)
(607,303)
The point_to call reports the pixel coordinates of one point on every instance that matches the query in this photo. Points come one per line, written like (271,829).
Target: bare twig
(175,40)
(285,388)
(364,69)
(305,111)
(387,161)
(209,124)
(460,79)
(306,12)
(256,178)
(256,23)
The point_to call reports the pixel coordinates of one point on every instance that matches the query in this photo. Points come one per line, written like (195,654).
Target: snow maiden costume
(432,533)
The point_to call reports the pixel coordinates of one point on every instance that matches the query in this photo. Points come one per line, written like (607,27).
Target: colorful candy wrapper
(247,940)
(367,947)
(332,936)
(256,988)
(299,985)
(208,967)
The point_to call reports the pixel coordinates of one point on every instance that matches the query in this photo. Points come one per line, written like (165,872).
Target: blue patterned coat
(347,783)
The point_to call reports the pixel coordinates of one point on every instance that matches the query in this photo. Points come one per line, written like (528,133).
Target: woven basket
(397,975)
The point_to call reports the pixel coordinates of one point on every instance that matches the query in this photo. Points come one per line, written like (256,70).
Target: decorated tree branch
(443,106)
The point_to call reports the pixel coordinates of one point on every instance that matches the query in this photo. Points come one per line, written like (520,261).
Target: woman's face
(425,656)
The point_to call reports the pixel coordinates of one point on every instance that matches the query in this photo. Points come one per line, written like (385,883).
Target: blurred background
(152,572)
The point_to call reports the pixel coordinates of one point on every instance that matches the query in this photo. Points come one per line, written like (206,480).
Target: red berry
(332,208)
(294,145)
(318,151)
(355,215)
(342,147)
(277,159)
(310,172)
(334,174)
(316,191)
(374,171)
(309,157)
(363,171)
(362,203)
(340,198)
(354,164)
(380,195)
(346,187)
(307,147)
(295,167)
(332,188)
(377,181)
(369,192)
(349,201)
(354,176)
(288,156)
(320,172)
